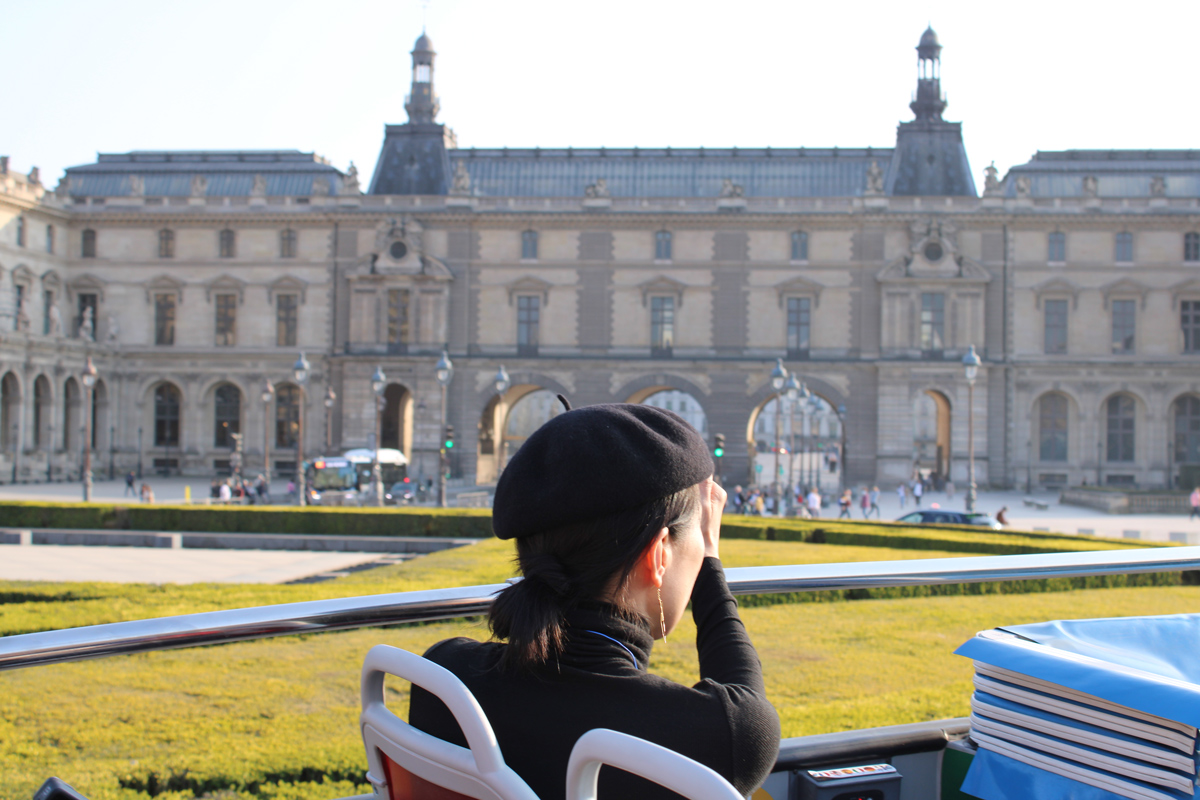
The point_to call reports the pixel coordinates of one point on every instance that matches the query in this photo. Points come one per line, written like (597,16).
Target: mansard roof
(1117,173)
(670,172)
(228,173)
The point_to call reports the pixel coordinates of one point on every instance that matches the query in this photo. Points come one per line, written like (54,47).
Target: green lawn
(277,718)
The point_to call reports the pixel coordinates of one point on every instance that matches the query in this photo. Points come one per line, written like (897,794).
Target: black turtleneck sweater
(724,721)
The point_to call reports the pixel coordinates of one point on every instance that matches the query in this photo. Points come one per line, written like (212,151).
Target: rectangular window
(88,244)
(397,318)
(933,322)
(226,320)
(1189,318)
(286,307)
(166,243)
(287,243)
(47,307)
(529,245)
(1124,319)
(1055,333)
(86,301)
(799,246)
(1191,247)
(662,325)
(20,231)
(227,244)
(662,246)
(1124,248)
(164,319)
(1056,250)
(20,302)
(49,238)
(529,310)
(798,317)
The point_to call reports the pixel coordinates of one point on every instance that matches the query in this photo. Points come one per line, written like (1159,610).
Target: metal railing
(217,627)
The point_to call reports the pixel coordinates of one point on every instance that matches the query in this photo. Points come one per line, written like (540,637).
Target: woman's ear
(655,558)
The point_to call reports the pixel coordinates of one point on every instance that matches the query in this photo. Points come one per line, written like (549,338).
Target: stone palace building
(671,275)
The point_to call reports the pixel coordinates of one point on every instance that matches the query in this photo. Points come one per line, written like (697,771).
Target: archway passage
(931,435)
(395,426)
(526,415)
(683,404)
(809,441)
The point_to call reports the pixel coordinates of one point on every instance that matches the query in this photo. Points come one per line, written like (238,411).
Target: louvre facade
(193,280)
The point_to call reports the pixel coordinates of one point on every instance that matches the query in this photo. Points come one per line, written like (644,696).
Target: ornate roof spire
(422,104)
(928,104)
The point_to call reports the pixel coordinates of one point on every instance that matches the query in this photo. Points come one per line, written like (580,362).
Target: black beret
(594,461)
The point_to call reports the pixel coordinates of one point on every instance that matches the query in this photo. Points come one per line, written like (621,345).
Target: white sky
(88,77)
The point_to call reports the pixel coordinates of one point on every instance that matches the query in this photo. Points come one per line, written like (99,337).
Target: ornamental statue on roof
(597,189)
(461,182)
(731,189)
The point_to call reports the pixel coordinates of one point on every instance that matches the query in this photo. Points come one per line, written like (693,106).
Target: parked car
(942,517)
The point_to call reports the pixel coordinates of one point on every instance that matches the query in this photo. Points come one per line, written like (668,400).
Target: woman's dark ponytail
(567,566)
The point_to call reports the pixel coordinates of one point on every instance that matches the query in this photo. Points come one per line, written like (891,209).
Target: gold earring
(662,618)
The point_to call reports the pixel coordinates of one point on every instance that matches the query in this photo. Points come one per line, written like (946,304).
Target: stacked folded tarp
(1087,709)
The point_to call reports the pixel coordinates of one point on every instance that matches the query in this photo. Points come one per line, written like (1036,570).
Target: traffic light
(449,437)
(719,445)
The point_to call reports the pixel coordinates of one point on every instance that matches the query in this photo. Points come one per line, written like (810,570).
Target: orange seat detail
(403,785)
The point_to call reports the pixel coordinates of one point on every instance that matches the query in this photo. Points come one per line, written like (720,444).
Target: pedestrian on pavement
(1002,515)
(224,493)
(1195,504)
(902,494)
(760,505)
(864,502)
(291,489)
(875,503)
(739,500)
(918,491)
(146,493)
(263,489)
(129,487)
(814,502)
(844,503)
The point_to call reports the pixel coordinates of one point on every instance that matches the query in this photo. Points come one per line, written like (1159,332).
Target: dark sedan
(939,516)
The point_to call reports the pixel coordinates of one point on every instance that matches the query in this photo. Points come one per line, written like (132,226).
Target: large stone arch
(761,399)
(396,418)
(638,389)
(492,445)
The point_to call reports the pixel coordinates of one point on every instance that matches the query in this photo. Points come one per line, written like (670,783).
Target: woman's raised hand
(712,506)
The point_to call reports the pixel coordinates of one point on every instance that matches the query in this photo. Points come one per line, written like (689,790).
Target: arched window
(1187,430)
(1056,247)
(49,238)
(1123,252)
(1121,412)
(227,414)
(529,244)
(287,415)
(88,244)
(1191,247)
(287,243)
(166,243)
(1052,428)
(227,244)
(20,231)
(166,416)
(662,246)
(799,246)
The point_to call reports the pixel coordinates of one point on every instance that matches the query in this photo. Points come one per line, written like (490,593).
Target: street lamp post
(501,383)
(444,371)
(841,412)
(89,381)
(300,373)
(330,399)
(378,384)
(112,451)
(16,448)
(779,377)
(268,392)
(139,452)
(970,368)
(792,389)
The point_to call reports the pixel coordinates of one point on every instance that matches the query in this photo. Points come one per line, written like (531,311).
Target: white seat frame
(477,771)
(665,767)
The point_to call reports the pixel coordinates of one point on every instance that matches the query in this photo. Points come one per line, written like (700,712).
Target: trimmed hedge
(457,522)
(955,538)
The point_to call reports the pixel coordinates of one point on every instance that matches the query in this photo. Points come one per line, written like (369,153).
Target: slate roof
(670,172)
(1118,173)
(229,173)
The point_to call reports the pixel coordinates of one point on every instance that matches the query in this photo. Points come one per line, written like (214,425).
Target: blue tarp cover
(1146,663)
(997,777)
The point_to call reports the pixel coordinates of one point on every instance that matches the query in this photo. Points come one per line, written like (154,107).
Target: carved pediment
(404,230)
(1057,287)
(1127,287)
(1187,290)
(51,280)
(530,285)
(22,274)
(226,284)
(288,284)
(164,283)
(800,286)
(86,284)
(663,285)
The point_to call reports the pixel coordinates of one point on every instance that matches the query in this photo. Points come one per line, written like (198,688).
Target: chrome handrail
(317,616)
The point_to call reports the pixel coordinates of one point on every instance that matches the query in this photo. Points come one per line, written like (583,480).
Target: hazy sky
(88,77)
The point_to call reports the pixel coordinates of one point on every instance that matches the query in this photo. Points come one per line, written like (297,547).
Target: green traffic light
(720,451)
(449,444)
